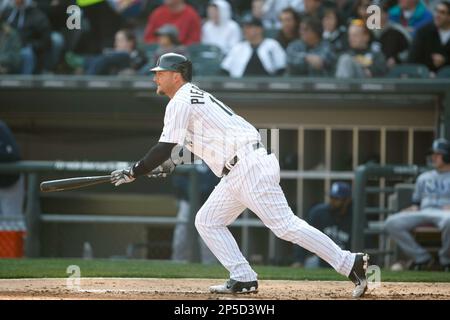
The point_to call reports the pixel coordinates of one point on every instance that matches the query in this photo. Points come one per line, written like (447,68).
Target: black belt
(235,159)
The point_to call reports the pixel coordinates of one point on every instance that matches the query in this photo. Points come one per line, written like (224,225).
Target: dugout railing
(372,180)
(373,184)
(321,120)
(35,218)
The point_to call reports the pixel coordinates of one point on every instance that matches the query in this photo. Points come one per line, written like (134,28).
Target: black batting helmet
(442,146)
(174,62)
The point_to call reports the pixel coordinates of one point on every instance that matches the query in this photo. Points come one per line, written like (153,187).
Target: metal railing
(34,217)
(360,209)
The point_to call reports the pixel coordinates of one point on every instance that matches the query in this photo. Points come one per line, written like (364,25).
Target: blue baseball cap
(340,190)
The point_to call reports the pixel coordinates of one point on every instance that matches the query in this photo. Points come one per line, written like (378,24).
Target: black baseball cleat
(358,274)
(235,287)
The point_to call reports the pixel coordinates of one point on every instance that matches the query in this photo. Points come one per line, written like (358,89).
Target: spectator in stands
(269,12)
(310,55)
(290,23)
(273,8)
(334,218)
(240,7)
(360,9)
(431,4)
(219,29)
(101,24)
(9,50)
(411,14)
(181,247)
(430,205)
(3,5)
(11,185)
(124,58)
(313,8)
(55,11)
(256,56)
(258,11)
(62,38)
(200,6)
(179,14)
(393,39)
(361,60)
(333,31)
(34,30)
(127,9)
(168,41)
(344,9)
(431,45)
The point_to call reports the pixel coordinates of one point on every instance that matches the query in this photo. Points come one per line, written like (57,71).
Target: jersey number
(224,107)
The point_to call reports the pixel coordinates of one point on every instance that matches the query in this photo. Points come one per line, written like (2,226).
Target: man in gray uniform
(430,205)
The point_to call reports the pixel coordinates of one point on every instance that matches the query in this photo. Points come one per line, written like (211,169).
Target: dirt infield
(197,289)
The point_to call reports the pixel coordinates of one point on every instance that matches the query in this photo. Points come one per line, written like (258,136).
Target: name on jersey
(197,96)
(435,186)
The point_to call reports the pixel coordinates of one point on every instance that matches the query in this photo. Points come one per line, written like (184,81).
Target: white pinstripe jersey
(206,126)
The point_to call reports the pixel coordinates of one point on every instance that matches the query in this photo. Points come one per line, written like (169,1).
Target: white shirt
(224,36)
(270,52)
(207,127)
(408,14)
(444,35)
(226,33)
(272,10)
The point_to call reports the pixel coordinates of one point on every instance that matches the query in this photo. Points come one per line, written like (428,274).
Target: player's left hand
(163,170)
(122,176)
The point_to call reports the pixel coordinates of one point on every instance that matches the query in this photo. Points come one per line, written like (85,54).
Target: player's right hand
(122,176)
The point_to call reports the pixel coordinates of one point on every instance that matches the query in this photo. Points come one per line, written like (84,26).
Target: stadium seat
(150,49)
(444,72)
(428,236)
(206,59)
(409,71)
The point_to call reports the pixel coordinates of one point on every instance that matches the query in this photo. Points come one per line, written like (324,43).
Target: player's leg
(261,192)
(207,256)
(399,227)
(264,196)
(211,221)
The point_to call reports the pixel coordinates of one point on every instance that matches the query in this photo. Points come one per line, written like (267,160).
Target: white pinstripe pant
(254,183)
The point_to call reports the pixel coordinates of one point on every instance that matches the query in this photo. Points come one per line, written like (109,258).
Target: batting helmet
(442,146)
(174,62)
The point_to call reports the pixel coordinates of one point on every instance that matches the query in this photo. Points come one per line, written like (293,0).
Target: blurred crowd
(238,38)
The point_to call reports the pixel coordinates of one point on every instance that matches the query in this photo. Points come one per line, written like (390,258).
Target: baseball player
(430,205)
(250,178)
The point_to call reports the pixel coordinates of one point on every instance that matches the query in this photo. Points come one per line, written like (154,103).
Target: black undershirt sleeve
(154,157)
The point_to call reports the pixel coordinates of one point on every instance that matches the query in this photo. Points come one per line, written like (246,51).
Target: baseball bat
(73,183)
